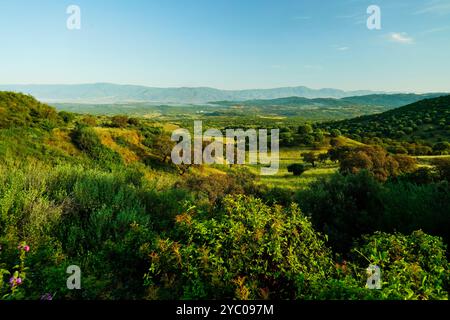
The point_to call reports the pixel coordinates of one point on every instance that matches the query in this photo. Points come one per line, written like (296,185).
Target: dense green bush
(110,223)
(101,221)
(346,207)
(87,140)
(296,168)
(20,110)
(246,251)
(412,267)
(210,189)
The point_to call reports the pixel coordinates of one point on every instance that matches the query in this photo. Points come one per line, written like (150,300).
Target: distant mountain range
(113,93)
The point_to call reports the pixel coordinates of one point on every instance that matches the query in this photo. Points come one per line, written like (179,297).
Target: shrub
(90,121)
(247,251)
(296,168)
(311,157)
(343,207)
(375,160)
(11,289)
(87,140)
(119,121)
(346,207)
(412,267)
(67,117)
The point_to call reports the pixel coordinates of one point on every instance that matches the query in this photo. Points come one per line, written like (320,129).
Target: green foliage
(442,147)
(73,200)
(413,267)
(335,133)
(119,121)
(305,129)
(67,117)
(247,251)
(373,159)
(101,221)
(442,168)
(346,207)
(296,168)
(87,140)
(415,127)
(310,157)
(12,288)
(19,110)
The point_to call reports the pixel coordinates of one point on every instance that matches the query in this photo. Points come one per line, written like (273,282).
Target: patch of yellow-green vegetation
(169,127)
(272,117)
(349,142)
(152,115)
(209,170)
(426,161)
(60,139)
(432,157)
(128,153)
(160,179)
(286,180)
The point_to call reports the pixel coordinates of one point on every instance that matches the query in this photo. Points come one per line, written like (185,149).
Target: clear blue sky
(229,44)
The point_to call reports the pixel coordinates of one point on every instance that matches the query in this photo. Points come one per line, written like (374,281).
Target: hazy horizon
(224,89)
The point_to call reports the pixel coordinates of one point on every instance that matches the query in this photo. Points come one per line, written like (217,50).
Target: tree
(286,139)
(119,121)
(133,121)
(442,147)
(443,168)
(319,136)
(406,164)
(296,168)
(336,143)
(307,139)
(323,157)
(310,157)
(89,121)
(337,153)
(305,129)
(67,116)
(356,161)
(375,160)
(335,133)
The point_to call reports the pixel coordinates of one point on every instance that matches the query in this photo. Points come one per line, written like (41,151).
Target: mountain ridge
(116,93)
(394,100)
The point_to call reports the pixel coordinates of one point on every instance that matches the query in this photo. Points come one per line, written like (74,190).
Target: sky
(229,44)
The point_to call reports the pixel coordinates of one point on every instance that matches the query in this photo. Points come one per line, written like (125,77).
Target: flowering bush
(11,288)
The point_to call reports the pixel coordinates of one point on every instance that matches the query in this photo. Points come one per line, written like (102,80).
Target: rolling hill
(380,100)
(426,122)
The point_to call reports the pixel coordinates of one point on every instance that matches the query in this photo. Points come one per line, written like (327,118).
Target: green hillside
(391,100)
(23,110)
(419,128)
